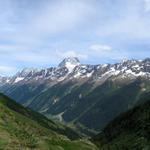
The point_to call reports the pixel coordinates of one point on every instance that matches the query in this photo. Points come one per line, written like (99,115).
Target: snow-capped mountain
(90,95)
(70,68)
(69,63)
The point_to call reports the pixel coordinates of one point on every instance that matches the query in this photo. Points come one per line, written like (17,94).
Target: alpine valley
(77,106)
(86,97)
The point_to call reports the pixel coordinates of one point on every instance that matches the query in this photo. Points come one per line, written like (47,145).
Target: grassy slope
(130,131)
(21,128)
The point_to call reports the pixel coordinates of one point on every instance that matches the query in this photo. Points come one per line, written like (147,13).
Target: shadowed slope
(128,131)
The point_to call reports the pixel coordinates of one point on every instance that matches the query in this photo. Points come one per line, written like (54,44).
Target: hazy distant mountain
(86,95)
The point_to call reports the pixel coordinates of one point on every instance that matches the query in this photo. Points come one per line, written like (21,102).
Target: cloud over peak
(100,47)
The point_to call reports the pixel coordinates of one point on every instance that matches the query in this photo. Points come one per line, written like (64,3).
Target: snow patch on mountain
(90,74)
(18,79)
(70,66)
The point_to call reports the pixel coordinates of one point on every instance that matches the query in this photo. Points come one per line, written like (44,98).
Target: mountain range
(71,69)
(85,96)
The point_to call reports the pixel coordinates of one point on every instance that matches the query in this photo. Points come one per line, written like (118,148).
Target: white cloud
(6,48)
(147,5)
(29,26)
(105,53)
(64,54)
(130,22)
(100,47)
(35,57)
(46,20)
(59,16)
(5,70)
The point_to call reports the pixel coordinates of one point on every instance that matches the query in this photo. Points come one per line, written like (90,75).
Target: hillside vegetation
(129,131)
(24,129)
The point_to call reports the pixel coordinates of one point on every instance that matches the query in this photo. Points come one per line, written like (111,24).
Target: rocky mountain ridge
(70,68)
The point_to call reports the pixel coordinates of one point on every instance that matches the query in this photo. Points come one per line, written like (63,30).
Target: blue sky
(40,33)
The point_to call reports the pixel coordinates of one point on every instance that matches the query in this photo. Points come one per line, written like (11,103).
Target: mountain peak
(70,63)
(27,71)
(72,60)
